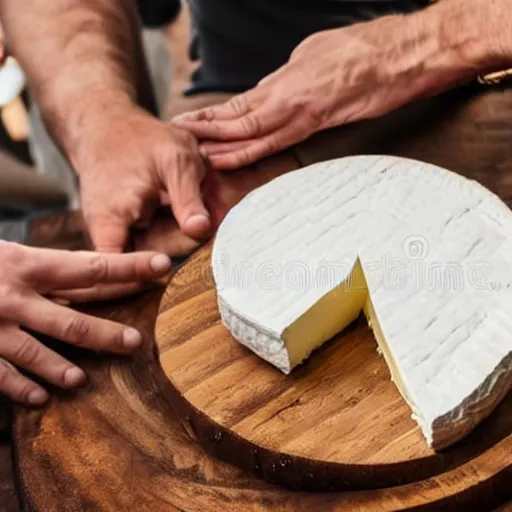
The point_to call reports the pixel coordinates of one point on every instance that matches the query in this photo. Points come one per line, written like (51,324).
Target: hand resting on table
(35,287)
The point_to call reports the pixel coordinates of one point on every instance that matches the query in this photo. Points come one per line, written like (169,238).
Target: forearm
(83,59)
(475,36)
(449,43)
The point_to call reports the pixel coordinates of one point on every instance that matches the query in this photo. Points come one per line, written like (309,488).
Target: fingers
(24,351)
(184,189)
(42,315)
(108,234)
(166,237)
(59,270)
(19,388)
(236,107)
(249,130)
(96,293)
(216,148)
(252,124)
(233,156)
(242,117)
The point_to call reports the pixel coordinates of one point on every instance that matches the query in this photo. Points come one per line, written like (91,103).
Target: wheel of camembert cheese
(425,253)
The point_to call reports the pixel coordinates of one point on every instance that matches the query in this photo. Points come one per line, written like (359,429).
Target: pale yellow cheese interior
(333,313)
(396,376)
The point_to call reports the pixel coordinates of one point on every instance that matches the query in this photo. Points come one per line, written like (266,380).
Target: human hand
(33,285)
(222,191)
(332,78)
(129,164)
(164,235)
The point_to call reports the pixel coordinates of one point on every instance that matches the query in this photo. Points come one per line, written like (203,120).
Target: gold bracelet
(495,78)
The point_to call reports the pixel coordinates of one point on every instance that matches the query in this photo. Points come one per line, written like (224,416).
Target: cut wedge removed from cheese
(426,255)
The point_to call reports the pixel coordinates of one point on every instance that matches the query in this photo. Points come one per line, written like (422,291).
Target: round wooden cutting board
(337,422)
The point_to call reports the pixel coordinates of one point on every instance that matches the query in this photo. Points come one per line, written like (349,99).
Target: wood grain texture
(117,445)
(337,422)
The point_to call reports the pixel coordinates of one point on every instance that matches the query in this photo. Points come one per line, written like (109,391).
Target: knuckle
(183,159)
(9,300)
(27,352)
(311,41)
(215,130)
(190,140)
(208,114)
(314,115)
(177,157)
(77,329)
(24,392)
(273,144)
(251,125)
(243,158)
(184,137)
(309,111)
(99,267)
(10,251)
(15,258)
(314,39)
(239,105)
(291,102)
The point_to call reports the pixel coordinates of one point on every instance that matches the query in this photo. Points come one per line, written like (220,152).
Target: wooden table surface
(117,444)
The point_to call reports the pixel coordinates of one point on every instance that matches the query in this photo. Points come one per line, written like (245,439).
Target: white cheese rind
(265,344)
(436,250)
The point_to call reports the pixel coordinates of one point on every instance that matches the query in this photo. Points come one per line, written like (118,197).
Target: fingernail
(161,263)
(74,377)
(132,338)
(37,396)
(198,222)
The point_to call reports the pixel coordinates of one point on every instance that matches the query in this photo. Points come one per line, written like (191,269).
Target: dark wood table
(117,445)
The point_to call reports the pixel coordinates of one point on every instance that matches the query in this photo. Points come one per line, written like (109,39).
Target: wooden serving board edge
(308,475)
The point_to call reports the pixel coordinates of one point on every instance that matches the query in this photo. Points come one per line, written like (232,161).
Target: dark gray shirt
(241,41)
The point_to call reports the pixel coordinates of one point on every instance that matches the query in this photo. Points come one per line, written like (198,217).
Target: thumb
(184,188)
(108,234)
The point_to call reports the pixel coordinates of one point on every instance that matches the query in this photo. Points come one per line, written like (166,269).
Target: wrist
(441,46)
(77,105)
(79,123)
(475,47)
